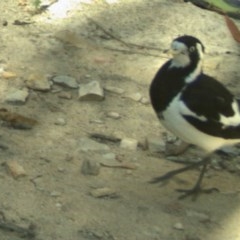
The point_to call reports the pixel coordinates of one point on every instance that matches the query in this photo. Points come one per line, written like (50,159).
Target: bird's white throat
(195,73)
(180,60)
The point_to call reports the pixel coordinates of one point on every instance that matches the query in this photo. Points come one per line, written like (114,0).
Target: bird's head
(186,50)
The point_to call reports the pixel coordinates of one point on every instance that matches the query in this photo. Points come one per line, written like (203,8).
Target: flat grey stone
(88,145)
(17,96)
(91,91)
(66,81)
(155,144)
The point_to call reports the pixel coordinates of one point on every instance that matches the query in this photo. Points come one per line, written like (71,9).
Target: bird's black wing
(211,108)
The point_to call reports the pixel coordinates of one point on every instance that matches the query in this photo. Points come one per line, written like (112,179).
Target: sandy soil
(93,41)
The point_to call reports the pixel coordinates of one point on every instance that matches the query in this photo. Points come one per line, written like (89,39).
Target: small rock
(90,167)
(66,81)
(113,115)
(129,143)
(38,82)
(17,96)
(145,100)
(61,169)
(178,226)
(88,145)
(135,97)
(65,95)
(114,89)
(109,156)
(60,121)
(58,205)
(91,91)
(15,169)
(56,89)
(97,121)
(55,194)
(156,144)
(103,192)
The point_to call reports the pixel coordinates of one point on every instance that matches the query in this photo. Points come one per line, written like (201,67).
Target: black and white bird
(194,106)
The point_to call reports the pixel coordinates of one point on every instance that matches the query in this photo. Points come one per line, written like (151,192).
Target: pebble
(55,194)
(38,82)
(144,100)
(135,97)
(91,91)
(113,115)
(178,226)
(155,144)
(60,121)
(66,81)
(17,96)
(109,156)
(97,121)
(129,143)
(103,192)
(15,169)
(90,167)
(58,205)
(65,95)
(114,89)
(87,145)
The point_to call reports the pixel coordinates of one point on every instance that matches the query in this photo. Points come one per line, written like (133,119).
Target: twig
(135,52)
(122,41)
(124,165)
(104,138)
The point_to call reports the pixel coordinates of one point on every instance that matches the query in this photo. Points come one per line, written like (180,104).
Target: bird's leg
(171,174)
(197,187)
(196,190)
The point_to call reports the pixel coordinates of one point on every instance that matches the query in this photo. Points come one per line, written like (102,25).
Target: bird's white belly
(174,122)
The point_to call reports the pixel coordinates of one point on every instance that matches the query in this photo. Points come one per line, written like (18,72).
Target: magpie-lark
(194,106)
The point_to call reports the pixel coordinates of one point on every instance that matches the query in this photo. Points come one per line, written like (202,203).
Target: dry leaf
(233,28)
(8,75)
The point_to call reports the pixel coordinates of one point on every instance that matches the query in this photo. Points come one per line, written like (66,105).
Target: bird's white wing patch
(233,120)
(184,110)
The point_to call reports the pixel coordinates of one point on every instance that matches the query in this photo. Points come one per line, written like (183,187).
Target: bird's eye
(192,49)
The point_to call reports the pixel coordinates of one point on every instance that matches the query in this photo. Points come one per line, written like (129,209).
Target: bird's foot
(173,173)
(195,192)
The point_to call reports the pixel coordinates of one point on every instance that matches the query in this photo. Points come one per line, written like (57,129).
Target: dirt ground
(104,41)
